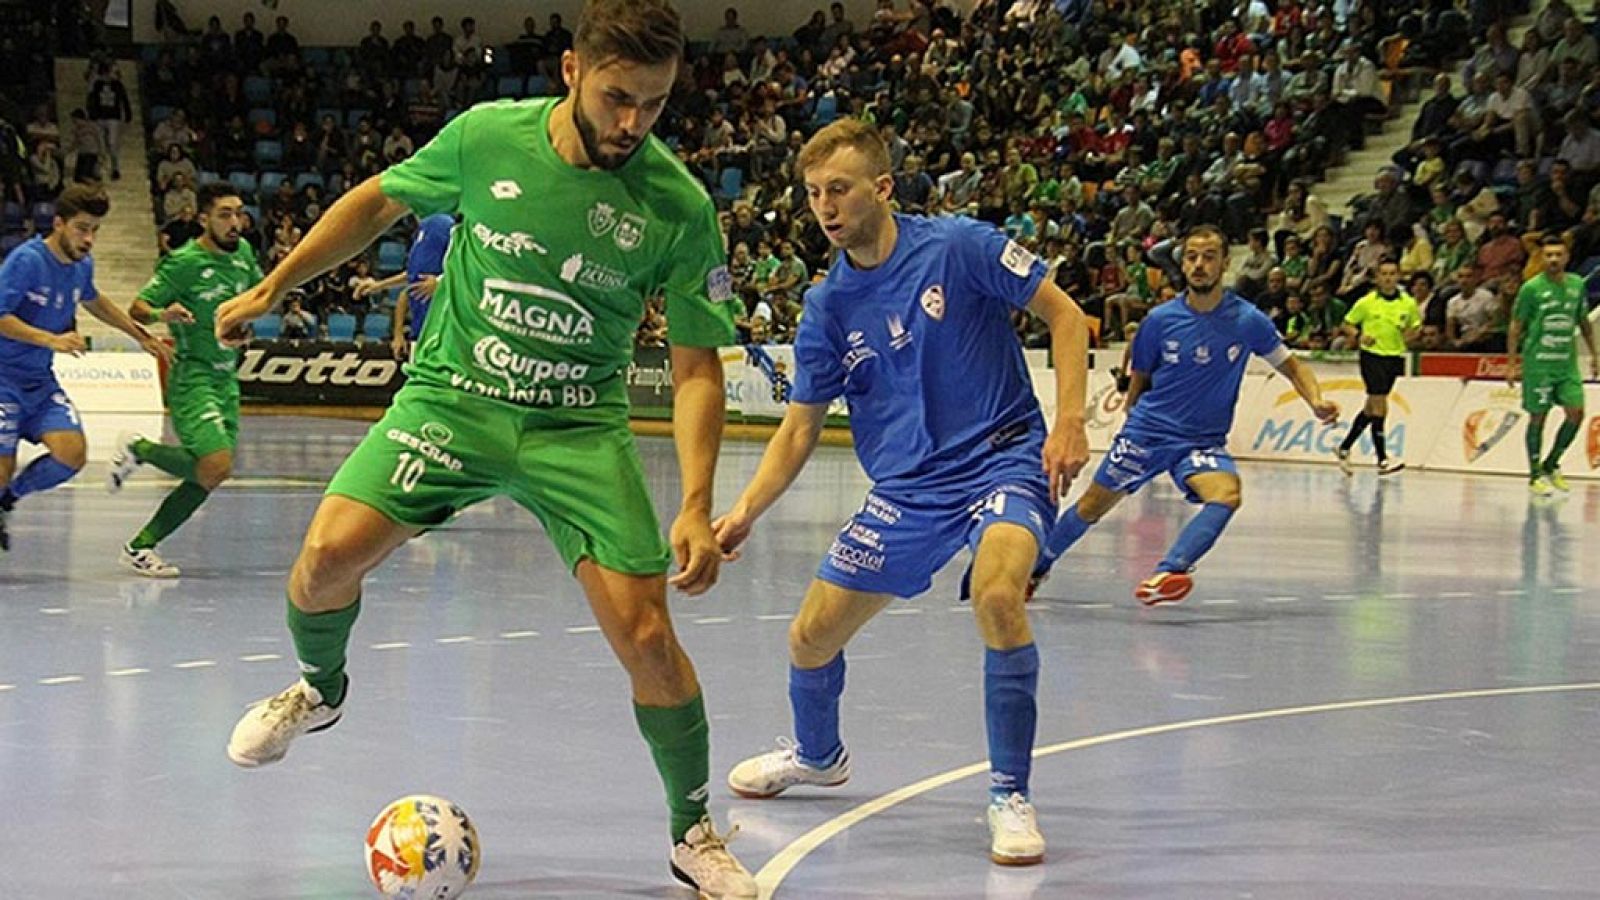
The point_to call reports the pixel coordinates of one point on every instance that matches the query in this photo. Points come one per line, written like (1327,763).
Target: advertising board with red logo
(1485,431)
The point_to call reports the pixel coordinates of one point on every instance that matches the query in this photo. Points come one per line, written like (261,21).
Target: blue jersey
(426,258)
(44,292)
(923,351)
(1196,362)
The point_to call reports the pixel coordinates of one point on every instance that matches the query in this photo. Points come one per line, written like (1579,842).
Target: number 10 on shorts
(408,470)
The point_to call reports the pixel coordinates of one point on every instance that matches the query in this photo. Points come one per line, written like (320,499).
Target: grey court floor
(1384,690)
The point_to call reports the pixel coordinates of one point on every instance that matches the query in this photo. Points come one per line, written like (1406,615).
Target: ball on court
(422,848)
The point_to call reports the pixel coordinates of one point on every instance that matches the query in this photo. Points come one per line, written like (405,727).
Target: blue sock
(1063,534)
(814,697)
(42,474)
(1010,680)
(1197,538)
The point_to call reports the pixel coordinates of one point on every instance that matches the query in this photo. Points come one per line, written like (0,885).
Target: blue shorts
(28,412)
(1135,459)
(900,538)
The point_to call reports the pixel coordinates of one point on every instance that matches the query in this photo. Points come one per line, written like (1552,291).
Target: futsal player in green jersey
(1385,321)
(1551,307)
(203,386)
(571,216)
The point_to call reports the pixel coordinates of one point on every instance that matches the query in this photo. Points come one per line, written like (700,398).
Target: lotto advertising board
(1484,433)
(1274,423)
(318,373)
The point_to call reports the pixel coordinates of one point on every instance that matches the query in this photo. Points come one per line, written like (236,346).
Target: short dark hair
(1421,275)
(209,194)
(82,198)
(1205,229)
(638,31)
(1551,239)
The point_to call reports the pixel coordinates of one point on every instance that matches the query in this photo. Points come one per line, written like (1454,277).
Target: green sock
(680,741)
(172,513)
(1534,438)
(175,461)
(1564,438)
(319,643)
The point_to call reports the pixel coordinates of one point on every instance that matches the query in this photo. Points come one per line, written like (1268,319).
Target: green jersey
(547,277)
(1385,320)
(201,281)
(1550,310)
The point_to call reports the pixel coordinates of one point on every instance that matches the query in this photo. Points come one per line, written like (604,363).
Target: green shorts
(204,405)
(1542,391)
(438,451)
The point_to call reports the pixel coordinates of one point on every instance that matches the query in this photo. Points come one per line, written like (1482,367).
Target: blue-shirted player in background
(1189,359)
(424,265)
(42,283)
(913,328)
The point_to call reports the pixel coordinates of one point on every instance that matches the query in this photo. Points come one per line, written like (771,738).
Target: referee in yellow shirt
(1385,320)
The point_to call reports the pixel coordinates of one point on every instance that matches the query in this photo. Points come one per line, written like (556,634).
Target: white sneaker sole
(758,795)
(166,575)
(1001,859)
(253,762)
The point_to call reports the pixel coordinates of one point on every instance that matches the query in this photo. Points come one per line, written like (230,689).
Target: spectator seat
(269,327)
(391,257)
(342,328)
(376,327)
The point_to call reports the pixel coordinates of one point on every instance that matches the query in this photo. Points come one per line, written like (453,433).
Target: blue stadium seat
(9,243)
(15,217)
(258,90)
(354,117)
(270,182)
(391,257)
(731,183)
(209,177)
(254,211)
(305,178)
(246,182)
(827,109)
(317,57)
(260,114)
(342,327)
(376,327)
(269,153)
(269,327)
(510,86)
(160,113)
(44,216)
(336,184)
(323,113)
(412,89)
(538,86)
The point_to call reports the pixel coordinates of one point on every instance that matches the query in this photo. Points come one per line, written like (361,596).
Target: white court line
(513,635)
(1512,592)
(195,664)
(392,645)
(1456,595)
(1567,590)
(61,679)
(458,639)
(1401,596)
(1220,601)
(260,657)
(775,617)
(123,673)
(909,611)
(960,609)
(54,611)
(7,687)
(780,865)
(713,620)
(1280,599)
(1338,597)
(584,629)
(1095,606)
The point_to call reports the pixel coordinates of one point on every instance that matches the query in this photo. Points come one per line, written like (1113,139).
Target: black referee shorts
(1379,373)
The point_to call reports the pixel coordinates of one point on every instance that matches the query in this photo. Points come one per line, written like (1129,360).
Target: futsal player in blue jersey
(913,328)
(42,284)
(424,265)
(1189,359)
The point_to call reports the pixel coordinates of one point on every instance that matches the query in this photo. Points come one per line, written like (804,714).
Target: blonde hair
(846,133)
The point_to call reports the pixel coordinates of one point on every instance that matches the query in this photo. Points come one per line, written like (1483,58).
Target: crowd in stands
(1092,132)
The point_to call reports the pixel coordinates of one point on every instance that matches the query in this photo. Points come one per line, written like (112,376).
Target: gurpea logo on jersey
(505,189)
(512,244)
(513,309)
(933,302)
(494,355)
(590,274)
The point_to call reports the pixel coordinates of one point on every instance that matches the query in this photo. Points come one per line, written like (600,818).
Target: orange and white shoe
(1164,587)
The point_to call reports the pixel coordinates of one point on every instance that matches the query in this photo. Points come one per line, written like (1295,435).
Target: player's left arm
(118,318)
(1066,450)
(698,411)
(1586,328)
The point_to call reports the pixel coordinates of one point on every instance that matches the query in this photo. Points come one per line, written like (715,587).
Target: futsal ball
(422,848)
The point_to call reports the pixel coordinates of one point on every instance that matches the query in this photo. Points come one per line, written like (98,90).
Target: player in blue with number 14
(1189,359)
(42,284)
(913,328)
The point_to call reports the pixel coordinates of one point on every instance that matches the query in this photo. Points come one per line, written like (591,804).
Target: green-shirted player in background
(1382,323)
(572,215)
(1550,308)
(203,385)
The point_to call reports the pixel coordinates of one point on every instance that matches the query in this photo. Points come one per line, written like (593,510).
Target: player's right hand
(70,342)
(364,287)
(400,348)
(176,313)
(1511,373)
(731,530)
(234,315)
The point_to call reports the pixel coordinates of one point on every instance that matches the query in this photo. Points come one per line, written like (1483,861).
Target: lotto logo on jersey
(516,309)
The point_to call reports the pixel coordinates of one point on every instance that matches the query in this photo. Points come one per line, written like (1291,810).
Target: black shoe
(5,536)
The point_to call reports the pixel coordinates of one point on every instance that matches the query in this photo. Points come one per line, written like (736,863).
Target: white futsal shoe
(770,774)
(264,734)
(144,561)
(1014,838)
(702,861)
(123,462)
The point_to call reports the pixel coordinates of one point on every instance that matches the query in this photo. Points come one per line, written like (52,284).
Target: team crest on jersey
(899,337)
(1202,355)
(1169,353)
(630,231)
(933,302)
(1233,352)
(602,216)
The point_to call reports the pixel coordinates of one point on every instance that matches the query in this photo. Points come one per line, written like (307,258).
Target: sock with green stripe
(170,515)
(175,461)
(320,640)
(680,742)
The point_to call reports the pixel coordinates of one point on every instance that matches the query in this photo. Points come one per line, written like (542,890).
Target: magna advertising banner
(318,373)
(1484,433)
(1274,423)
